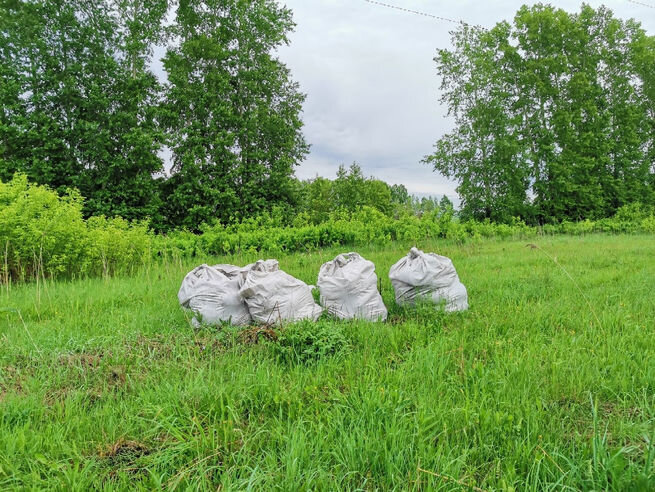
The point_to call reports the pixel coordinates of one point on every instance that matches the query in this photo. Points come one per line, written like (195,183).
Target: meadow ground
(541,385)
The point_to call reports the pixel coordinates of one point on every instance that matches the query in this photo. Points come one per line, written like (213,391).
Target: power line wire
(642,4)
(424,14)
(461,22)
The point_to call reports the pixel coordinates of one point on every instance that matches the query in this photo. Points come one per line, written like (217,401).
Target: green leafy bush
(370,226)
(43,234)
(116,246)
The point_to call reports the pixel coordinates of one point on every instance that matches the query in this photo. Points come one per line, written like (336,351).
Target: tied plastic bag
(212,294)
(230,271)
(428,276)
(235,272)
(348,286)
(274,296)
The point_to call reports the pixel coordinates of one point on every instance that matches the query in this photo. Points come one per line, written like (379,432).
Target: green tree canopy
(553,115)
(232,110)
(77,103)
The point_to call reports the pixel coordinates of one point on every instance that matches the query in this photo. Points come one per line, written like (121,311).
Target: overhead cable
(642,4)
(423,14)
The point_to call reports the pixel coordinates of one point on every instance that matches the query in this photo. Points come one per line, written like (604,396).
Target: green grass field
(541,385)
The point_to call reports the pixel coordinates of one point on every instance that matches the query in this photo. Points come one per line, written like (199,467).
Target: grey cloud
(371,83)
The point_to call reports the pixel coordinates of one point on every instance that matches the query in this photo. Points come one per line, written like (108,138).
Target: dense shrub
(366,226)
(40,232)
(116,245)
(370,226)
(44,234)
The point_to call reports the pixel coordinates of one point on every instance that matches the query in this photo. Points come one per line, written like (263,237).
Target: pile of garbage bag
(348,286)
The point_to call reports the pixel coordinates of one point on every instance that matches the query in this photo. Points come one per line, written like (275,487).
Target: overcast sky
(371,83)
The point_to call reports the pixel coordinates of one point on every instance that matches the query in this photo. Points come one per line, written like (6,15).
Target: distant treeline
(316,199)
(555,115)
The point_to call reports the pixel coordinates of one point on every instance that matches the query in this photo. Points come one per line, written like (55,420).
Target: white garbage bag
(235,272)
(429,276)
(274,296)
(213,295)
(230,271)
(348,286)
